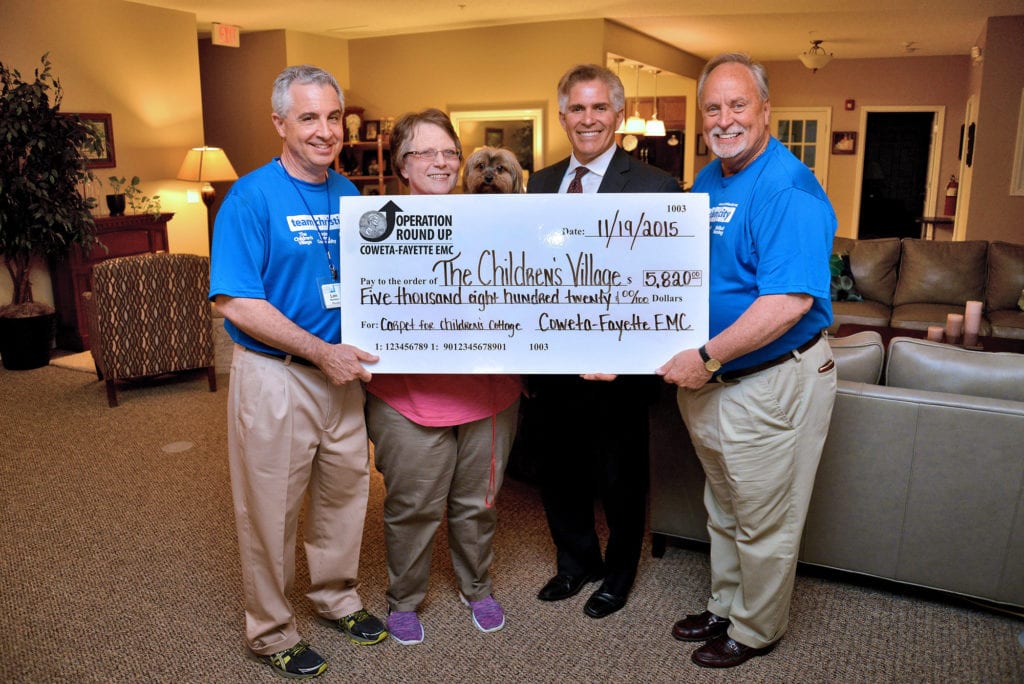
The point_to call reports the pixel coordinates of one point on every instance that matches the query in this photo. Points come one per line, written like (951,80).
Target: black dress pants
(590,441)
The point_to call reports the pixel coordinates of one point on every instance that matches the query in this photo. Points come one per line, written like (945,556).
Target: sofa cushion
(1007,324)
(1005,276)
(874,266)
(941,272)
(862,313)
(859,356)
(920,316)
(938,367)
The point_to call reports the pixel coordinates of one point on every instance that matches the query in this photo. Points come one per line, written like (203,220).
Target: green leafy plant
(138,202)
(42,213)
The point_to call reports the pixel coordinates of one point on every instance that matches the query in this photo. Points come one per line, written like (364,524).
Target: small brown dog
(492,170)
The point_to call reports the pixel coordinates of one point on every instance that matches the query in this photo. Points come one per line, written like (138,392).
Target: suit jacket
(625,174)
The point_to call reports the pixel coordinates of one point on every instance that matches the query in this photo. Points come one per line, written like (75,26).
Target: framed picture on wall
(702,146)
(103,125)
(844,142)
(494,137)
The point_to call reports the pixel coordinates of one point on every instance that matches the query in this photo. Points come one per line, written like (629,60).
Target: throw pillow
(842,287)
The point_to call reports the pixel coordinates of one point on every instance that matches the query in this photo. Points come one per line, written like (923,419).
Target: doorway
(897,171)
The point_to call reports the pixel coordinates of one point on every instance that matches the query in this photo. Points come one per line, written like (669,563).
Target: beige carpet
(118,563)
(81,361)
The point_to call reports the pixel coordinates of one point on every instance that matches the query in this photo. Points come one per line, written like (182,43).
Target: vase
(25,342)
(115,203)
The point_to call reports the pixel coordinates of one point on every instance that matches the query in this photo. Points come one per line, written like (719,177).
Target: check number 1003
(660,279)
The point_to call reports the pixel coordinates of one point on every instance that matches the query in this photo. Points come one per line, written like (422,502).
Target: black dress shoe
(725,652)
(603,603)
(701,627)
(562,586)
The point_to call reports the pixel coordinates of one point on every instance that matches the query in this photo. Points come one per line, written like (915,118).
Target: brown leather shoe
(725,652)
(701,627)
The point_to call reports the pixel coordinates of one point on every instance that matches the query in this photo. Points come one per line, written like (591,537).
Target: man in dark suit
(592,435)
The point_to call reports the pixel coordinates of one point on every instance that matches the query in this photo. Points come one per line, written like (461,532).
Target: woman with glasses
(440,441)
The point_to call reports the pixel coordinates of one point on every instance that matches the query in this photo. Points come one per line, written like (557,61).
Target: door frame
(931,193)
(824,117)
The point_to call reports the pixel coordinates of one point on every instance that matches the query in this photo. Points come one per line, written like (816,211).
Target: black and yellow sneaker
(362,628)
(298,662)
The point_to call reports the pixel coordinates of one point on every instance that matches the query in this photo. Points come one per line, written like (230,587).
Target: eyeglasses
(431,155)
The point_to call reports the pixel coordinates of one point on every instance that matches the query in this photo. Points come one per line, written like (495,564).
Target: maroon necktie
(575,185)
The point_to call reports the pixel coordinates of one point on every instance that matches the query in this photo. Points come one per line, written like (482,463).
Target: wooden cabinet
(367,164)
(119,236)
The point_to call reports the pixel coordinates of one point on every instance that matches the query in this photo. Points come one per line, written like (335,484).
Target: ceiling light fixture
(654,127)
(815,58)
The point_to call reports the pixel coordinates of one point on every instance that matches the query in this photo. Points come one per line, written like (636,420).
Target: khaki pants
(429,471)
(760,441)
(292,433)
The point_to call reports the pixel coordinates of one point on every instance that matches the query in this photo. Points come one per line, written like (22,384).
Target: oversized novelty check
(585,283)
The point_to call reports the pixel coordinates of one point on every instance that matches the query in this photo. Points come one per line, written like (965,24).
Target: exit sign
(225,34)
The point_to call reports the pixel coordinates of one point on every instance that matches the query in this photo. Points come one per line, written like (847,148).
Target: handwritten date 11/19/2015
(618,227)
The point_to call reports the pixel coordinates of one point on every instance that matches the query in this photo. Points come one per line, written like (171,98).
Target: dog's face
(492,170)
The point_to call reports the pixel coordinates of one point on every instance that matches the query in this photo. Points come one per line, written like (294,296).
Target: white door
(805,132)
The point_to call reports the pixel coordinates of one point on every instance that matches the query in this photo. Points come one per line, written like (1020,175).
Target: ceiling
(769,30)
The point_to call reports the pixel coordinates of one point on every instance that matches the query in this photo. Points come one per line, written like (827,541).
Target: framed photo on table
(370,131)
(102,124)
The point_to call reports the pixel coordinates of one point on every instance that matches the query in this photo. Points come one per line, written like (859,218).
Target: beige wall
(139,64)
(908,81)
(993,214)
(237,84)
(489,68)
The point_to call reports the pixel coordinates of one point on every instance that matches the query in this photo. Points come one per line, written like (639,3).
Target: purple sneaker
(488,615)
(405,628)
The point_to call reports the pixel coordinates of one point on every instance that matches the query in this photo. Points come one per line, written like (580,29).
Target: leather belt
(287,358)
(734,376)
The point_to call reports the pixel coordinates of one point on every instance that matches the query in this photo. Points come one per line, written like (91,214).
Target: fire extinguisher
(951,188)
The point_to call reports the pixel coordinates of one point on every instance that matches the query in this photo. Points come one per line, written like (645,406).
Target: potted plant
(42,214)
(129,192)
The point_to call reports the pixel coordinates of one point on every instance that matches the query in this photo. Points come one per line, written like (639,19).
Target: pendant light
(655,128)
(815,58)
(636,123)
(618,64)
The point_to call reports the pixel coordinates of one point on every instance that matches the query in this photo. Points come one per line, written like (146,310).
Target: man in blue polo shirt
(757,397)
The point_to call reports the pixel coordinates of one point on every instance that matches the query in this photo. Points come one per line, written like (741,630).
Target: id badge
(330,293)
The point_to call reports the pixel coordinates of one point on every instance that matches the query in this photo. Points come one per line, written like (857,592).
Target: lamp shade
(655,128)
(205,164)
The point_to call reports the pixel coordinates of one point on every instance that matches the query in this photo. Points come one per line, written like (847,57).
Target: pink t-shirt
(445,400)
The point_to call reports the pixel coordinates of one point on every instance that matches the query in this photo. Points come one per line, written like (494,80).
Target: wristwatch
(710,364)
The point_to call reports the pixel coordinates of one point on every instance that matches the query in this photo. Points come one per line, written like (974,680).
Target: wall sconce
(976,55)
(203,165)
(815,58)
(655,128)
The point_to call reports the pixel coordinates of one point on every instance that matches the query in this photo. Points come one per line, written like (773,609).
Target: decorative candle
(972,318)
(954,324)
(935,333)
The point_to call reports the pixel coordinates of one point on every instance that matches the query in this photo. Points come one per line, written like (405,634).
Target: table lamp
(206,164)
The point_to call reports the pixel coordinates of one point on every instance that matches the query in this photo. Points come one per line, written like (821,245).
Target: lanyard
(324,235)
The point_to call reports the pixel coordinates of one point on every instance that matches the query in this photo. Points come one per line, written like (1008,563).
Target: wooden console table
(120,236)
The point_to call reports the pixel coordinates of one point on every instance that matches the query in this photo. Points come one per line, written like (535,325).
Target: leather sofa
(921,479)
(913,283)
